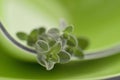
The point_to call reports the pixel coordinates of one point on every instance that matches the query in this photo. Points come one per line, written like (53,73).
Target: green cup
(98,20)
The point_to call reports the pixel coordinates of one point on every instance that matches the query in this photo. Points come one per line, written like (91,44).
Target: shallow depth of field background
(98,20)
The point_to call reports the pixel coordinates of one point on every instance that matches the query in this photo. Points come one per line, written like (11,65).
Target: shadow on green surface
(13,68)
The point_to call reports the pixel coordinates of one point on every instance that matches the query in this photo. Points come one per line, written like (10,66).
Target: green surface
(96,19)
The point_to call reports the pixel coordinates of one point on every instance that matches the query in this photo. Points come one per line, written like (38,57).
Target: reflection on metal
(2,28)
(87,56)
(104,53)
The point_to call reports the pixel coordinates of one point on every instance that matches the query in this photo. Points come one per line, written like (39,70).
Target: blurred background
(97,20)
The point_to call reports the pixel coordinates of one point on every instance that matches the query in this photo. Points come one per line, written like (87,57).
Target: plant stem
(88,55)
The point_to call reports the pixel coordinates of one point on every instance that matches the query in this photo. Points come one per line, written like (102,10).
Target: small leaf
(54,33)
(49,65)
(68,29)
(48,39)
(53,30)
(52,42)
(45,63)
(42,46)
(41,30)
(69,50)
(56,48)
(34,33)
(54,58)
(78,53)
(83,42)
(30,41)
(41,60)
(65,35)
(22,35)
(33,37)
(64,57)
(72,41)
(53,52)
(43,37)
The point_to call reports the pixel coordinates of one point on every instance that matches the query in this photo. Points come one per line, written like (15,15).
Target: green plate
(97,20)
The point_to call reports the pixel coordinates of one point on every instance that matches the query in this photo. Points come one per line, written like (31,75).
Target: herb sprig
(54,45)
